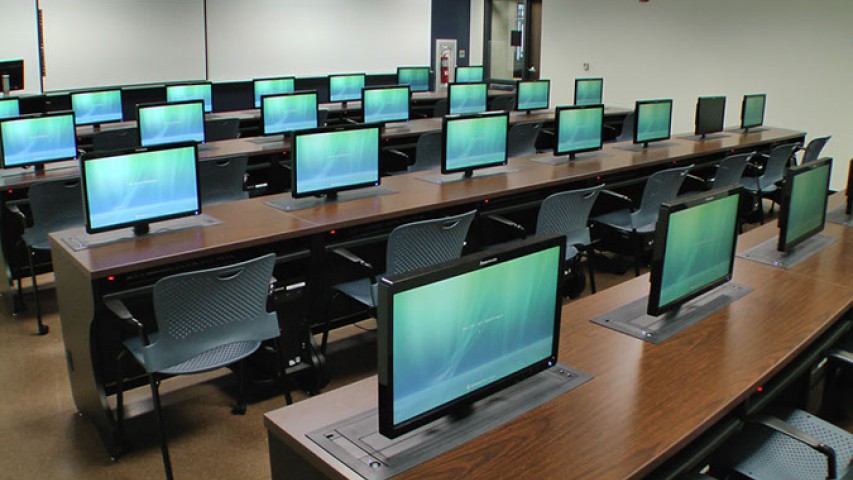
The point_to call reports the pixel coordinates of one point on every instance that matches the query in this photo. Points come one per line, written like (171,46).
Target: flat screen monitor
(415,77)
(849,208)
(192,91)
(330,160)
(467,98)
(710,115)
(803,207)
(386,104)
(288,112)
(472,74)
(533,95)
(474,141)
(140,187)
(15,70)
(26,141)
(9,107)
(588,91)
(653,121)
(752,111)
(694,248)
(163,123)
(272,86)
(96,107)
(344,88)
(460,331)
(579,129)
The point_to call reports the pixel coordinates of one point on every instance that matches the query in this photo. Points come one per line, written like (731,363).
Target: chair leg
(155,395)
(589,264)
(240,408)
(42,328)
(119,432)
(18,302)
(282,372)
(639,255)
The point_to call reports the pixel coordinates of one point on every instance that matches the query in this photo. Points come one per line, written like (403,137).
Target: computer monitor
(533,95)
(848,209)
(15,70)
(472,74)
(467,98)
(9,107)
(271,86)
(386,104)
(460,331)
(36,140)
(97,107)
(578,129)
(162,123)
(710,115)
(288,112)
(694,248)
(653,121)
(139,187)
(329,160)
(191,91)
(803,207)
(474,141)
(588,91)
(752,111)
(343,88)
(415,77)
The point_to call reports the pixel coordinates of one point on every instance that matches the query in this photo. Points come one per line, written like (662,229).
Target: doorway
(513,30)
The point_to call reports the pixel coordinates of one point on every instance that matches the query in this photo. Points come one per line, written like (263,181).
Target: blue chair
(766,184)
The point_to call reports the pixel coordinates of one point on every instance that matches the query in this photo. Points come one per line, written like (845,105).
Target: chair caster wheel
(43,329)
(238,410)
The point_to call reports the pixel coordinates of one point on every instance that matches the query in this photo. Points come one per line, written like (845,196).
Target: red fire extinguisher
(445,67)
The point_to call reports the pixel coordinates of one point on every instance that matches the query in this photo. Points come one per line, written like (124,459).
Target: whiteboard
(261,38)
(19,38)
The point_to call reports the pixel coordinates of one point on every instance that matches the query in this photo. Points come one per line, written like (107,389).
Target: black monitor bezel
(142,106)
(100,90)
(386,87)
(518,95)
(743,110)
(785,203)
(329,85)
(428,70)
(456,118)
(637,106)
(297,93)
(454,86)
(187,84)
(702,108)
(330,191)
(600,80)
(482,73)
(255,89)
(131,151)
(15,69)
(659,253)
(557,129)
(848,209)
(392,285)
(40,163)
(12,99)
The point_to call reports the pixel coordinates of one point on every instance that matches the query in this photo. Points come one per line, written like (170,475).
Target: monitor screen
(329,160)
(752,111)
(415,77)
(15,70)
(289,112)
(474,141)
(102,106)
(694,248)
(473,74)
(588,91)
(343,88)
(579,129)
(533,95)
(37,140)
(803,207)
(462,330)
(272,86)
(386,104)
(9,107)
(171,123)
(710,115)
(194,91)
(653,120)
(467,98)
(140,187)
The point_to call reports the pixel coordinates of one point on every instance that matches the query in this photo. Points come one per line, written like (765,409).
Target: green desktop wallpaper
(97,107)
(272,86)
(417,78)
(288,113)
(588,92)
(336,159)
(183,122)
(35,140)
(386,105)
(753,112)
(345,87)
(532,95)
(468,98)
(9,108)
(580,129)
(808,200)
(653,121)
(469,74)
(476,141)
(183,93)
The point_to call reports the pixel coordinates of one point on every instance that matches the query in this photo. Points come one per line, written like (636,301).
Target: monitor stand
(571,158)
(441,179)
(289,204)
(645,146)
(632,319)
(702,138)
(766,252)
(84,241)
(839,215)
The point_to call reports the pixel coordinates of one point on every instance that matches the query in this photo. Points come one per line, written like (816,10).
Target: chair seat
(37,238)
(752,184)
(360,290)
(623,221)
(210,360)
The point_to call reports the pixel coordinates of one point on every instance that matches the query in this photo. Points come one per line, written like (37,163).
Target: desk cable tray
(766,251)
(85,241)
(357,443)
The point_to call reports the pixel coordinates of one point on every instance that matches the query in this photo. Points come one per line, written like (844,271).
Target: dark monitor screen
(533,95)
(415,77)
(9,107)
(37,140)
(752,111)
(192,91)
(102,106)
(271,86)
(588,91)
(694,248)
(329,160)
(288,112)
(140,187)
(460,331)
(803,207)
(474,141)
(710,115)
(467,98)
(15,70)
(343,88)
(386,104)
(472,74)
(849,208)
(164,123)
(653,120)
(579,129)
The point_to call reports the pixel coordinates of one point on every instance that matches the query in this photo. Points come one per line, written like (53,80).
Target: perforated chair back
(627,132)
(202,310)
(222,180)
(774,169)
(567,213)
(522,139)
(730,170)
(425,243)
(221,129)
(120,138)
(502,103)
(661,187)
(814,148)
(427,152)
(441,108)
(55,205)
